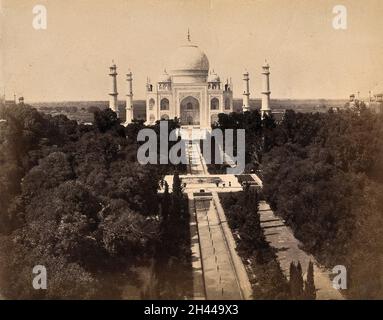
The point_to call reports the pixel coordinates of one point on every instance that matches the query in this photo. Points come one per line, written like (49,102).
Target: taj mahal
(188,90)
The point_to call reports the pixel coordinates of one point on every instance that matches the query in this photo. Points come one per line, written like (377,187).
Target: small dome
(213,77)
(165,77)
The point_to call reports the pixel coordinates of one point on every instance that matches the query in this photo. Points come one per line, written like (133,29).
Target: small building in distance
(376,103)
(373,102)
(13,102)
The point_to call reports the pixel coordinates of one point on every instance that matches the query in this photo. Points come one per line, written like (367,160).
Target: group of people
(217,183)
(223,184)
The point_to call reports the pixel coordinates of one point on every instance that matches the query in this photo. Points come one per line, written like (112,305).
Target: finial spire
(188,35)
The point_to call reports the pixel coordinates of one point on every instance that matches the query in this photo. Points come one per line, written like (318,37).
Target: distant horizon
(251,99)
(69,61)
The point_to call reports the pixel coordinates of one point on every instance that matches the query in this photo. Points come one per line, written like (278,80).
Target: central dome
(189,57)
(189,64)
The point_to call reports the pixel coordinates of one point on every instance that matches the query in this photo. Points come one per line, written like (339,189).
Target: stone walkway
(218,270)
(288,249)
(197,165)
(198,277)
(223,274)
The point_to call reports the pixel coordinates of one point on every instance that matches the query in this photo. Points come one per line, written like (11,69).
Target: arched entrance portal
(189,111)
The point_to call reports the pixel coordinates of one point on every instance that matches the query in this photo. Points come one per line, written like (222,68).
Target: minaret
(246,92)
(113,90)
(265,89)
(129,99)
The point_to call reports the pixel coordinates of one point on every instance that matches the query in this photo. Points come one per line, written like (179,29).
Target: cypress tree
(293,281)
(299,281)
(177,188)
(310,291)
(296,281)
(177,196)
(250,228)
(166,201)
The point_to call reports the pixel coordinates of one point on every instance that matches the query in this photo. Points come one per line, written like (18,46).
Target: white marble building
(188,90)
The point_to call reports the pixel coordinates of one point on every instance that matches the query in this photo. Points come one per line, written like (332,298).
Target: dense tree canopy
(324,177)
(242,211)
(74,199)
(323,173)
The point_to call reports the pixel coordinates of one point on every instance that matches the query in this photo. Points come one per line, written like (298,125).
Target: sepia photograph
(212,151)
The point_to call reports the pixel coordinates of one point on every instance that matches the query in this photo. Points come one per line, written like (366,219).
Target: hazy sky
(308,58)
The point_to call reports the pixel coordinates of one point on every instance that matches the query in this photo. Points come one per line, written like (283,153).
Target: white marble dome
(189,64)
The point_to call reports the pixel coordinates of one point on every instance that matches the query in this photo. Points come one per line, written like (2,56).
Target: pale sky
(308,58)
